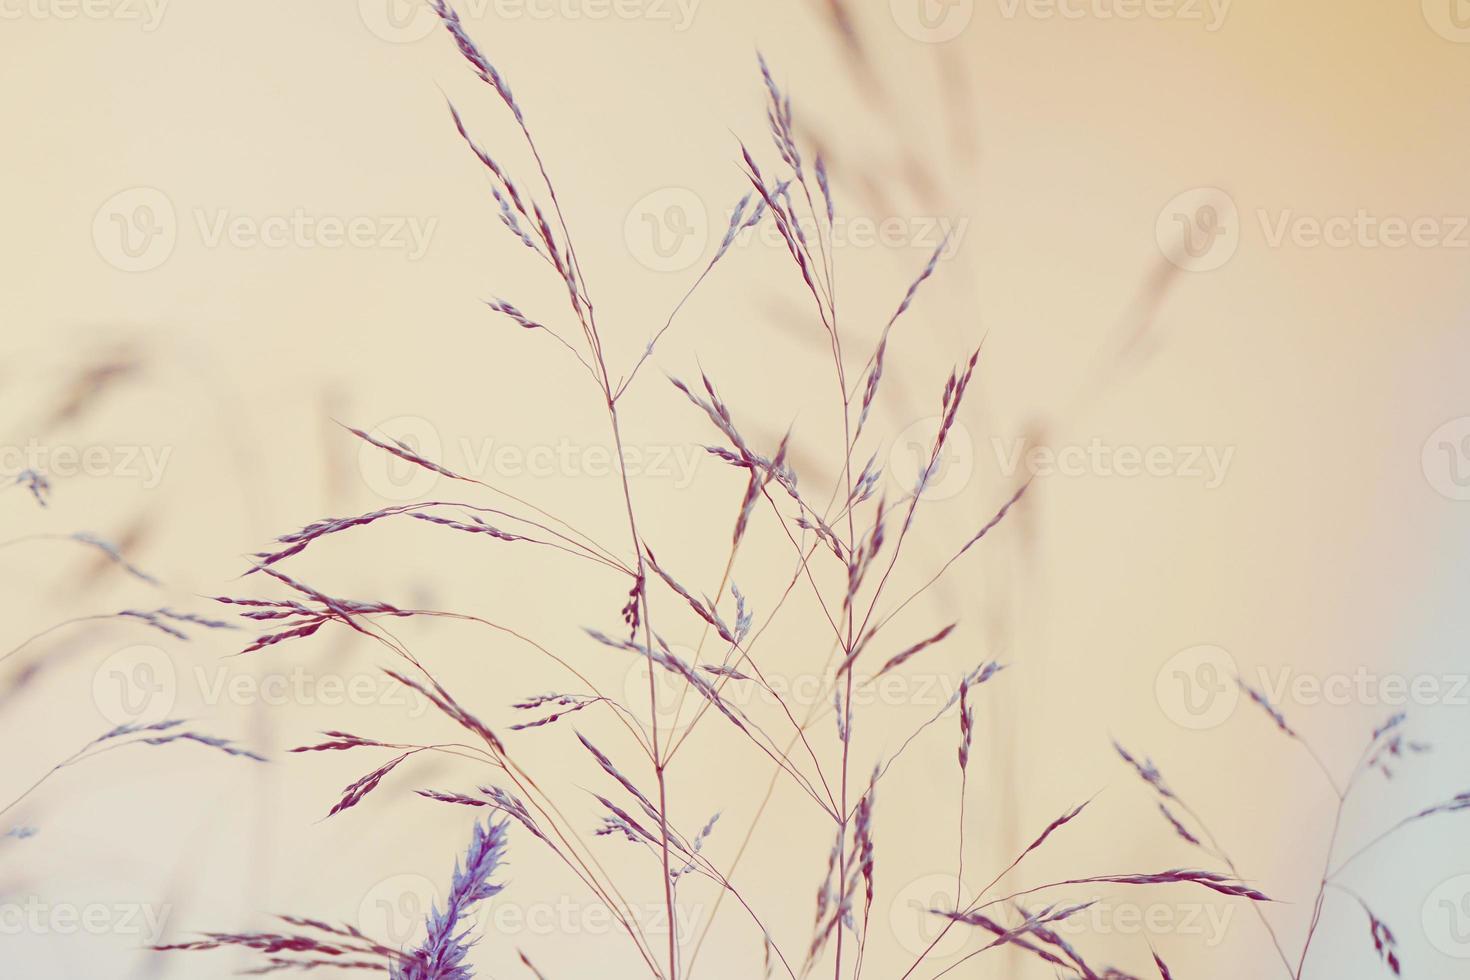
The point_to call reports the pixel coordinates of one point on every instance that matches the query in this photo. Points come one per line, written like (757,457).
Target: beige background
(1054,146)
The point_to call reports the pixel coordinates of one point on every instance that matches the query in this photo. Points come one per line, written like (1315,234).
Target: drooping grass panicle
(311,945)
(166,732)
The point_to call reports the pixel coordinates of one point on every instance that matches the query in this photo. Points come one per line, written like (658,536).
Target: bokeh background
(1228,238)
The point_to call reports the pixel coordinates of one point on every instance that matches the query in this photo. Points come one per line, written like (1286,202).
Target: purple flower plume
(441,957)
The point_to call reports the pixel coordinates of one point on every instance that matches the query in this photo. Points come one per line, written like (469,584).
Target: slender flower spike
(1265,705)
(441,957)
(967,724)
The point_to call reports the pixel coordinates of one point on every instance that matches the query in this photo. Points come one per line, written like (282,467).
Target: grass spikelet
(362,786)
